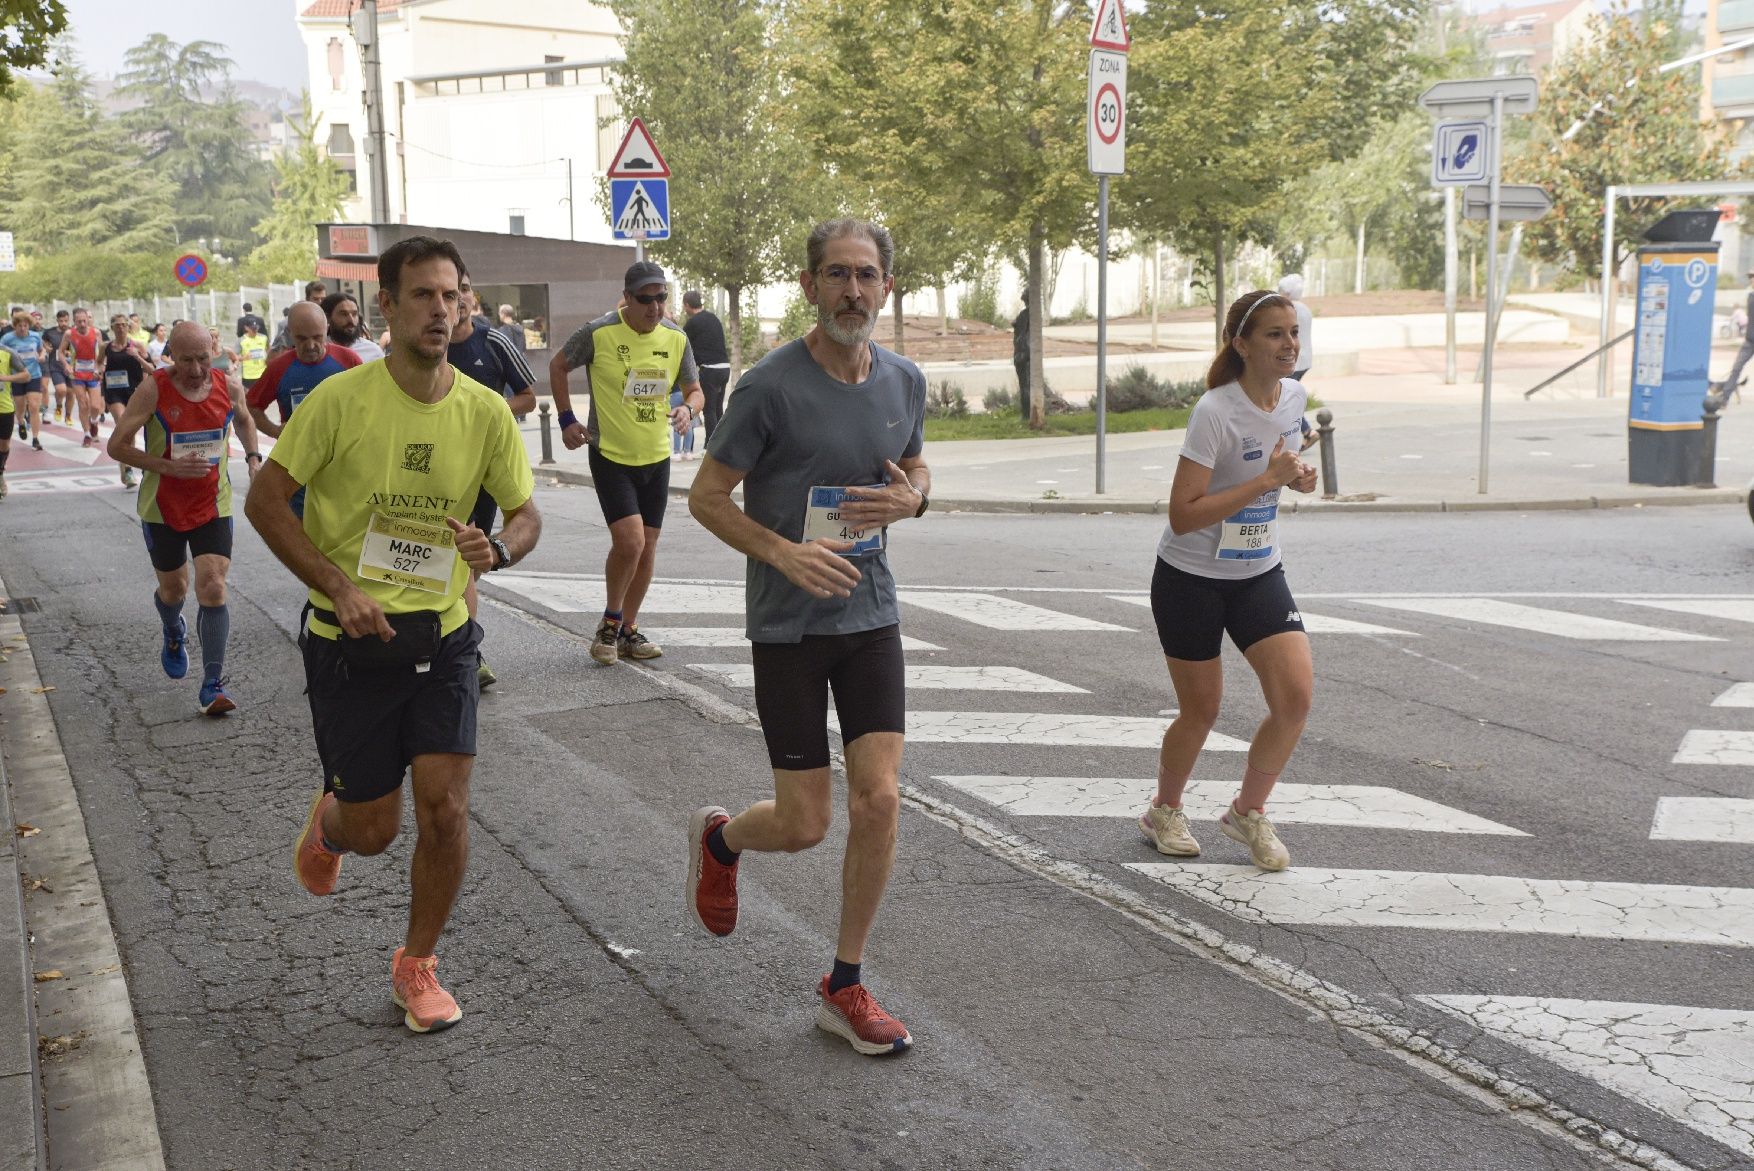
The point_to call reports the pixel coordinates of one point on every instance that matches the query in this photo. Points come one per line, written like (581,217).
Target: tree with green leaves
(980,103)
(703,76)
(29,30)
(1628,122)
(78,182)
(200,144)
(309,189)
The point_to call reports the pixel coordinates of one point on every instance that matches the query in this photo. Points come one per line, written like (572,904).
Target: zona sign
(191,270)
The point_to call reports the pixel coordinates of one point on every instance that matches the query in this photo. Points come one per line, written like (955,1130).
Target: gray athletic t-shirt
(790,427)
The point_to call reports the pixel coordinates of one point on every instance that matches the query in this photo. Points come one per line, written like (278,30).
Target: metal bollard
(547,434)
(1705,475)
(1330,475)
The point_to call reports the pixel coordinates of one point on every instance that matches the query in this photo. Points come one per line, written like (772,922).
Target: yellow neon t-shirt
(631,376)
(382,471)
(6,387)
(253,351)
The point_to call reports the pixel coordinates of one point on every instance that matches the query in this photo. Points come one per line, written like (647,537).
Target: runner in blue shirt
(292,375)
(26,345)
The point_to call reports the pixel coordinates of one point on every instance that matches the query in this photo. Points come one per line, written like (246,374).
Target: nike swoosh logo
(895,422)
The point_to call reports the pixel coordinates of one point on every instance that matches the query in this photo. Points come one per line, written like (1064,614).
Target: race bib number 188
(1249,534)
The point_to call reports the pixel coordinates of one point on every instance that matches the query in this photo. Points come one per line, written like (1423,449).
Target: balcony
(1733,94)
(1735,16)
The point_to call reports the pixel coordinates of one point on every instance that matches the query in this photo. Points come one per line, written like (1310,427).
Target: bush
(980,300)
(945,401)
(1054,403)
(798,319)
(999,399)
(1137,389)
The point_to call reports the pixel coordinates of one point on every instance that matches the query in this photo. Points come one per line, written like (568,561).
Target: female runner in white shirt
(1218,571)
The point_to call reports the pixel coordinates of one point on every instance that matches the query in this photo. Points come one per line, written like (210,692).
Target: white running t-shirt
(1235,438)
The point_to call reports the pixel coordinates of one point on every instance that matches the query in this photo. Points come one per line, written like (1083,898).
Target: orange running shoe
(712,886)
(854,1014)
(414,984)
(316,865)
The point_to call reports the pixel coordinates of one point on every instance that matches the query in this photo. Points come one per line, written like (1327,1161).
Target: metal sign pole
(1101,325)
(1449,286)
(1604,367)
(1491,288)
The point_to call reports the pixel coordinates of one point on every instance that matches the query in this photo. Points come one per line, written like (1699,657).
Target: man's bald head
(190,350)
(189,335)
(309,330)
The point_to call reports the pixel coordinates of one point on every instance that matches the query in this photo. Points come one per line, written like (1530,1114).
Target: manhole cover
(19,606)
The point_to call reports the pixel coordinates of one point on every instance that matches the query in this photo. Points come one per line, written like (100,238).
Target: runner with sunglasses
(631,358)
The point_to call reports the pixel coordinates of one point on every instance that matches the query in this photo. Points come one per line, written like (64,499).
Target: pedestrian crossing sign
(640,208)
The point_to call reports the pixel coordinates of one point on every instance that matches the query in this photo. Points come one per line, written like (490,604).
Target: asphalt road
(1488,880)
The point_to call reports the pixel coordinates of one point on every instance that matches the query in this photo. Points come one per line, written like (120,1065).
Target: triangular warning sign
(640,218)
(638,157)
(1109,31)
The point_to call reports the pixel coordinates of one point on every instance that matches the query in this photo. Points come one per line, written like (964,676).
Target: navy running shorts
(1194,613)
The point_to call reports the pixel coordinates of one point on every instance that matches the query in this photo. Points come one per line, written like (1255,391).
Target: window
(517,228)
(337,64)
(529,304)
(341,141)
(554,76)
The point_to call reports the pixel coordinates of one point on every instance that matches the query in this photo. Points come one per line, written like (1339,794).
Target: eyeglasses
(651,298)
(839,274)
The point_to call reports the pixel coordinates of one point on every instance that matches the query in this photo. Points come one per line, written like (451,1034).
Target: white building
(491,110)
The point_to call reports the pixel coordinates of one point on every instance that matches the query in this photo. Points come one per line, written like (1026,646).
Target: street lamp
(1679,63)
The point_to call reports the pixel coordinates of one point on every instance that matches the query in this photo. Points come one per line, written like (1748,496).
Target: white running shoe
(1257,833)
(1167,829)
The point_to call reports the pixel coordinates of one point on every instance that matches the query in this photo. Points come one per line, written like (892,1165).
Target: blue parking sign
(639,209)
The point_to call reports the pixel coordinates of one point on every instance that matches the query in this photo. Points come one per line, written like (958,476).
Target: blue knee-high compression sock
(213,624)
(171,616)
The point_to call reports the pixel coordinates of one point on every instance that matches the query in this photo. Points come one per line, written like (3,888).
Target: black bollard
(547,434)
(1705,475)
(1330,476)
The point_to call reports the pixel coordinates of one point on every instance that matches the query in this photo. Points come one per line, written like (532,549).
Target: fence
(209,307)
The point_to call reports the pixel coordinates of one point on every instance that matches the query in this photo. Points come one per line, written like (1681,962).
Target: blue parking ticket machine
(1677,287)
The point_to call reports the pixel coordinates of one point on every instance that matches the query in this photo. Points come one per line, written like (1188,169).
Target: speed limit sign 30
(1106,117)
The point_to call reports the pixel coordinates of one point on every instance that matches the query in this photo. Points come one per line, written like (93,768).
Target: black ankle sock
(715,844)
(845,975)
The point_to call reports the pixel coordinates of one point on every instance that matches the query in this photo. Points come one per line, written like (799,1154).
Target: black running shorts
(117,396)
(6,418)
(793,679)
(372,723)
(1193,613)
(169,548)
(624,490)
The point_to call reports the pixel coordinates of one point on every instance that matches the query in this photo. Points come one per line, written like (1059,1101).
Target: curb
(21,986)
(1692,496)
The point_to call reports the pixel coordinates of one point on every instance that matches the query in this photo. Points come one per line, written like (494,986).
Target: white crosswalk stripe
(1312,623)
(1366,806)
(997,613)
(1736,695)
(1715,746)
(926,677)
(1728,609)
(1695,1065)
(1715,915)
(583,595)
(1064,731)
(1558,623)
(734,638)
(1704,819)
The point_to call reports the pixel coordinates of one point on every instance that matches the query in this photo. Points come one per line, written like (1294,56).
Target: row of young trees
(100,204)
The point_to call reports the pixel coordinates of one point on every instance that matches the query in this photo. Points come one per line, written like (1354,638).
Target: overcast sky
(259,35)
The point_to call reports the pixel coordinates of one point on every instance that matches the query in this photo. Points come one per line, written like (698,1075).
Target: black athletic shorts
(169,548)
(623,490)
(485,509)
(372,723)
(1193,613)
(792,681)
(56,375)
(117,394)
(6,419)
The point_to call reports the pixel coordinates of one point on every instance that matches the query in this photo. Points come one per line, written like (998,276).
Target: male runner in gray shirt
(825,435)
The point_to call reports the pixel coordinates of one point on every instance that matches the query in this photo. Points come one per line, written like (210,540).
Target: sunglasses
(651,298)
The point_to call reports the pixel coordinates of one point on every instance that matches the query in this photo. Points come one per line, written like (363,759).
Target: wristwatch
(925,503)
(502,556)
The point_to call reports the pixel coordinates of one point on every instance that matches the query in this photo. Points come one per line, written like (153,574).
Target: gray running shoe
(1257,833)
(631,644)
(603,643)
(1167,829)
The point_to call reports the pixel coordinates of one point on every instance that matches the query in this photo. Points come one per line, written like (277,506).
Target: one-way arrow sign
(1516,201)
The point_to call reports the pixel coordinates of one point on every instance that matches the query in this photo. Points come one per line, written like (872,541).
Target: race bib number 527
(408,553)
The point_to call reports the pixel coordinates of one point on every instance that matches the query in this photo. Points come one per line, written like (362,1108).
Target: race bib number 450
(822,520)
(1249,534)
(408,553)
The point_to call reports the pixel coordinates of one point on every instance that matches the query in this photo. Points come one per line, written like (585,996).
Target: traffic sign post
(190,270)
(1458,149)
(1105,124)
(639,189)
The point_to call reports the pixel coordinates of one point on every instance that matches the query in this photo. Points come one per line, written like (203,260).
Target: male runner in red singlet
(79,357)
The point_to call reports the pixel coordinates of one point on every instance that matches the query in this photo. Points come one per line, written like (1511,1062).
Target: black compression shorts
(624,490)
(1193,613)
(793,679)
(169,548)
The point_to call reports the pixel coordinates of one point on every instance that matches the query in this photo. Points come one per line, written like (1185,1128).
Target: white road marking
(1719,916)
(1369,806)
(998,613)
(63,448)
(1312,623)
(1737,695)
(1559,623)
(1047,728)
(39,483)
(1714,746)
(1704,819)
(583,595)
(1695,1065)
(926,677)
(1728,609)
(733,637)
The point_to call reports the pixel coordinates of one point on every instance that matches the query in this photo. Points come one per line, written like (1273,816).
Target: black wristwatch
(925,503)
(502,556)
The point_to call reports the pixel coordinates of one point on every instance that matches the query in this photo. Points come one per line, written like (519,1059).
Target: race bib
(208,444)
(408,553)
(822,520)
(648,382)
(85,366)
(115,380)
(295,398)
(1249,534)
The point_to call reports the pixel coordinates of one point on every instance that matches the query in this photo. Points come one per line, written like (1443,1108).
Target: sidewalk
(1403,442)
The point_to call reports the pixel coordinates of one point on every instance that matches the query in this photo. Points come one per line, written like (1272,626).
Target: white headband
(1245,317)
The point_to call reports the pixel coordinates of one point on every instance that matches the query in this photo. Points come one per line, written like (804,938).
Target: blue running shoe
(175,656)
(213,699)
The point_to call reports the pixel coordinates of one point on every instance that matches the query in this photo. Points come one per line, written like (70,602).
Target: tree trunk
(895,304)
(1358,272)
(1218,300)
(1038,314)
(734,319)
(943,312)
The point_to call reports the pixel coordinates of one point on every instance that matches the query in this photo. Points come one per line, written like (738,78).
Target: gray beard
(841,336)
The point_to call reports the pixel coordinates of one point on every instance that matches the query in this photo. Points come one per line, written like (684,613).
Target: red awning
(348,270)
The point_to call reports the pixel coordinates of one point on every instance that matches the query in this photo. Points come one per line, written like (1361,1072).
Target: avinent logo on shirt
(411,500)
(417,457)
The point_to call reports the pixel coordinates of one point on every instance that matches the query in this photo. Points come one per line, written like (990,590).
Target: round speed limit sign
(1107,129)
(1108,114)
